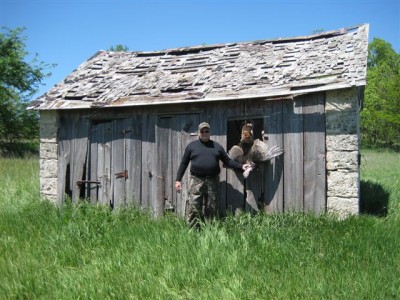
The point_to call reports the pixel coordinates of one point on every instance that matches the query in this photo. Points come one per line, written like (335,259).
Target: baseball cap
(204,125)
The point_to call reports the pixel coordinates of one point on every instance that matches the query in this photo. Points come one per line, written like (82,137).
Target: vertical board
(164,163)
(149,156)
(118,166)
(216,116)
(64,158)
(80,148)
(233,200)
(92,164)
(100,163)
(104,161)
(186,132)
(133,140)
(273,170)
(314,153)
(293,157)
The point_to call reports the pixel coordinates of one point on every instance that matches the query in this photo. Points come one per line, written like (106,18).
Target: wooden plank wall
(297,180)
(149,144)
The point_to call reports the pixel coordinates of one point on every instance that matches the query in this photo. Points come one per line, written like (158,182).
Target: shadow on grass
(374,199)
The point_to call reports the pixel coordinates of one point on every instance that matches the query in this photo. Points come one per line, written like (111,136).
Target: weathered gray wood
(133,138)
(314,153)
(232,183)
(118,162)
(186,133)
(174,133)
(93,161)
(80,145)
(164,163)
(215,115)
(104,162)
(100,164)
(64,156)
(179,138)
(273,170)
(293,156)
(168,175)
(149,155)
(293,182)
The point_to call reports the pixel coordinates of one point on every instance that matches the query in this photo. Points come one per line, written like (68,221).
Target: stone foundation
(48,154)
(342,150)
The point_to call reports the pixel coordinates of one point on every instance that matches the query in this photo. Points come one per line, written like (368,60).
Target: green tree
(19,80)
(380,118)
(118,48)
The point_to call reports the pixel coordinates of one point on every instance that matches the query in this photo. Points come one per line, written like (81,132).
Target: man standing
(204,155)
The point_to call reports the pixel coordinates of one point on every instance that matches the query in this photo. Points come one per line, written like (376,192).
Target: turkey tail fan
(260,152)
(273,152)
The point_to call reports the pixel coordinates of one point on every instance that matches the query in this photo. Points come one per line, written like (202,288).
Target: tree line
(20,80)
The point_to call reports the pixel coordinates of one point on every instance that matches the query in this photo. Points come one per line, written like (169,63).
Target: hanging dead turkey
(252,151)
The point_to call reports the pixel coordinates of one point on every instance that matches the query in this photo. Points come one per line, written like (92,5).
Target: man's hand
(246,166)
(178,186)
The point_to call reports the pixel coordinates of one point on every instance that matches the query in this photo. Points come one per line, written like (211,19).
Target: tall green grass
(89,252)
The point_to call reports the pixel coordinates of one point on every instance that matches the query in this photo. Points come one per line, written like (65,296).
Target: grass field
(88,252)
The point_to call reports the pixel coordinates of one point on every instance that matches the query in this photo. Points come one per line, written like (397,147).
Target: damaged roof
(268,68)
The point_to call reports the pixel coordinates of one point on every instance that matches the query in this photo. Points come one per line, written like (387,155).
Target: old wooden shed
(114,130)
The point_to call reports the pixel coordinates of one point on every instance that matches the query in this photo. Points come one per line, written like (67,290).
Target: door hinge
(80,182)
(123,174)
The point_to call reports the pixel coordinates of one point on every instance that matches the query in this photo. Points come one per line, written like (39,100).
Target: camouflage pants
(202,202)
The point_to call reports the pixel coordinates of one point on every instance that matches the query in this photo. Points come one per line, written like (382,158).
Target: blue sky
(68,32)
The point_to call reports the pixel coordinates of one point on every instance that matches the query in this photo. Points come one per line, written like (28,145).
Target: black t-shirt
(204,158)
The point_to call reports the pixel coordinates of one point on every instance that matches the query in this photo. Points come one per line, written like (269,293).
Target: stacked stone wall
(48,154)
(342,151)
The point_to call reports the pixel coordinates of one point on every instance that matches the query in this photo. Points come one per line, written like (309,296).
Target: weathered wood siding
(131,156)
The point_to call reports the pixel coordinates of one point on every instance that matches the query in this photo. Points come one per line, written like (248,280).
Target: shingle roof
(267,68)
